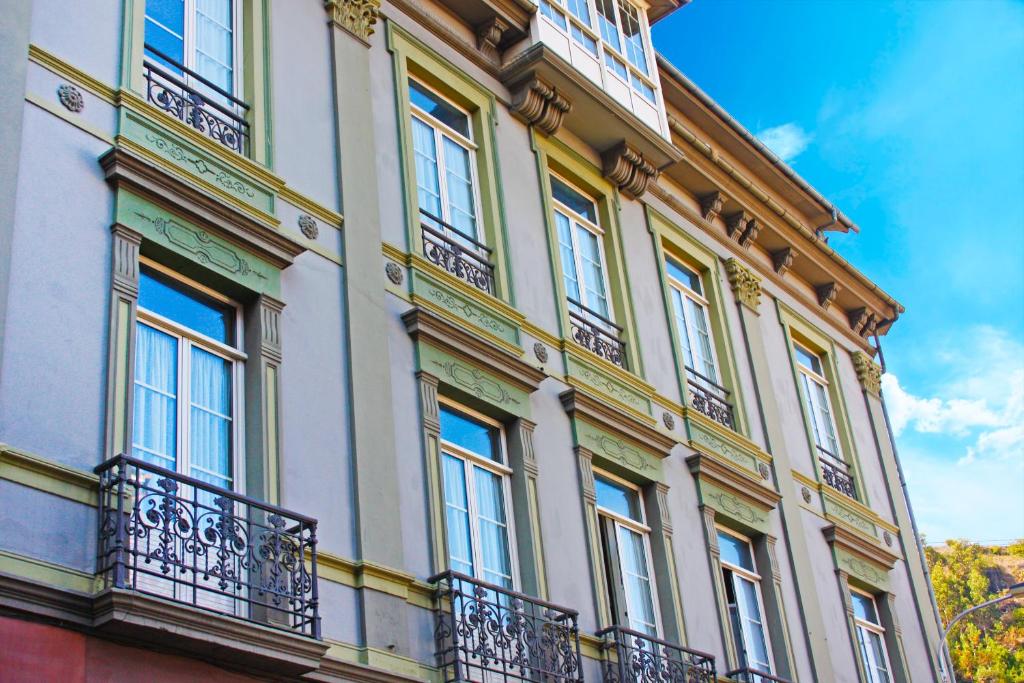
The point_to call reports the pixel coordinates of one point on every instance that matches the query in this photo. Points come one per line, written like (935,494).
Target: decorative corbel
(745,285)
(628,169)
(355,16)
(782,259)
(539,104)
(489,33)
(869,373)
(750,234)
(827,293)
(858,318)
(711,205)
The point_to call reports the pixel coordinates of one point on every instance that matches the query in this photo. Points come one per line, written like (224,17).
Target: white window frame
(469,460)
(598,232)
(189,48)
(863,627)
(187,338)
(808,376)
(740,573)
(641,528)
(442,130)
(704,305)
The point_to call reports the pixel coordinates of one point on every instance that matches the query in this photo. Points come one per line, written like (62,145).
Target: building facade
(429,339)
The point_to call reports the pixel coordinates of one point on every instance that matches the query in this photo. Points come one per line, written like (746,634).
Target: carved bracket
(489,34)
(745,285)
(541,105)
(355,16)
(827,294)
(628,169)
(782,259)
(863,322)
(711,205)
(742,227)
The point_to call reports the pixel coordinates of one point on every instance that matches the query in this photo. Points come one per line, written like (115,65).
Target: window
(870,638)
(625,544)
(476,494)
(579,241)
(816,401)
(743,597)
(199,35)
(188,373)
(691,313)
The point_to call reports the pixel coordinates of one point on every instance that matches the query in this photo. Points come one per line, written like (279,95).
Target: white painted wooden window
(744,600)
(870,638)
(581,250)
(817,403)
(690,309)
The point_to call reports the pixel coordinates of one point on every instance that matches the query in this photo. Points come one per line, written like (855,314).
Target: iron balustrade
(749,675)
(710,398)
(640,658)
(180,97)
(597,333)
(176,537)
(836,473)
(445,251)
(489,633)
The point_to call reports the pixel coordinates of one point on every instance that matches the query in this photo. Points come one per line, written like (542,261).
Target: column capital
(745,285)
(355,16)
(869,373)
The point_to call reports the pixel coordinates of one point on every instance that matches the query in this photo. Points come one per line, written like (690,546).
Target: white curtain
(572,286)
(637,582)
(425,151)
(210,418)
(215,42)
(593,270)
(492,528)
(459,183)
(460,544)
(702,345)
(155,427)
(755,646)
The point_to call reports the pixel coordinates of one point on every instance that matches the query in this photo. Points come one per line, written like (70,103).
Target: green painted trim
(47,573)
(413,57)
(133,33)
(476,383)
(477,312)
(193,242)
(43,474)
(617,391)
(791,322)
(738,512)
(620,456)
(864,574)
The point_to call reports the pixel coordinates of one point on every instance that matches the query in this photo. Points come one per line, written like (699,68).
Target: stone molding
(745,285)
(782,260)
(578,402)
(711,205)
(358,17)
(826,293)
(742,227)
(708,468)
(539,104)
(869,373)
(489,34)
(857,545)
(627,168)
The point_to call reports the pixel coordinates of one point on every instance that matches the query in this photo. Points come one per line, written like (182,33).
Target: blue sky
(910,117)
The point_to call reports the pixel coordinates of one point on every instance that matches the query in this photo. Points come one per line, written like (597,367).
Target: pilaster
(745,285)
(262,386)
(124,298)
(663,553)
(585,463)
(374,461)
(526,508)
(778,624)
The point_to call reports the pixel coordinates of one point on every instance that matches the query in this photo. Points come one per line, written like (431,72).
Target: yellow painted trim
(58,66)
(301,201)
(312,246)
(726,434)
(362,574)
(381,659)
(47,475)
(421,264)
(68,117)
(824,490)
(47,572)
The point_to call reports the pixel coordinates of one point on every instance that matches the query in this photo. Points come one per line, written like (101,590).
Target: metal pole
(1016,590)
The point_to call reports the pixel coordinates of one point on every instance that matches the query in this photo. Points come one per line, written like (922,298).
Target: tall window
(200,35)
(870,638)
(625,543)
(187,379)
(691,313)
(816,401)
(476,494)
(746,608)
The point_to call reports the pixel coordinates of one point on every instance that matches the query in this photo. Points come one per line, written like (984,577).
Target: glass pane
(634,36)
(493,530)
(615,65)
(679,312)
(460,544)
(437,107)
(619,499)
(606,22)
(878,664)
(459,183)
(428,188)
(637,582)
(565,249)
(756,646)
(825,419)
(588,43)
(735,551)
(470,434)
(185,306)
(593,271)
(573,200)
(864,607)
(214,43)
(155,425)
(684,275)
(165,30)
(210,418)
(580,10)
(705,357)
(808,360)
(641,87)
(548,10)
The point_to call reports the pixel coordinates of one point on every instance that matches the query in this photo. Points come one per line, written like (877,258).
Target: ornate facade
(436,340)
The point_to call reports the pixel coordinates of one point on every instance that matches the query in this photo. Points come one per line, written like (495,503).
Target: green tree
(988,646)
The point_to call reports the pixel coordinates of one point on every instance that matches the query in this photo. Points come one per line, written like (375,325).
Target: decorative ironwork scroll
(836,475)
(710,399)
(597,333)
(457,253)
(641,658)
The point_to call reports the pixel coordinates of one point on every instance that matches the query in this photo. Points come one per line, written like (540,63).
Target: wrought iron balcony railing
(449,248)
(641,658)
(185,540)
(193,100)
(836,473)
(597,333)
(489,633)
(748,675)
(710,399)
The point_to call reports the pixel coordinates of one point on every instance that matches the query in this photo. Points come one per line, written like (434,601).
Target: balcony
(183,540)
(836,473)
(596,333)
(196,101)
(748,675)
(710,399)
(641,658)
(489,633)
(457,253)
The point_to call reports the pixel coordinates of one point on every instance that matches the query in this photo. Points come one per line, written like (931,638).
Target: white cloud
(787,140)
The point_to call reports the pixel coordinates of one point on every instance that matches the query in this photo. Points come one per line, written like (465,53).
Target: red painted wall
(39,653)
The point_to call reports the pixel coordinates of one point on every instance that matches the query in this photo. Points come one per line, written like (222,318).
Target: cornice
(487,60)
(579,402)
(858,545)
(708,467)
